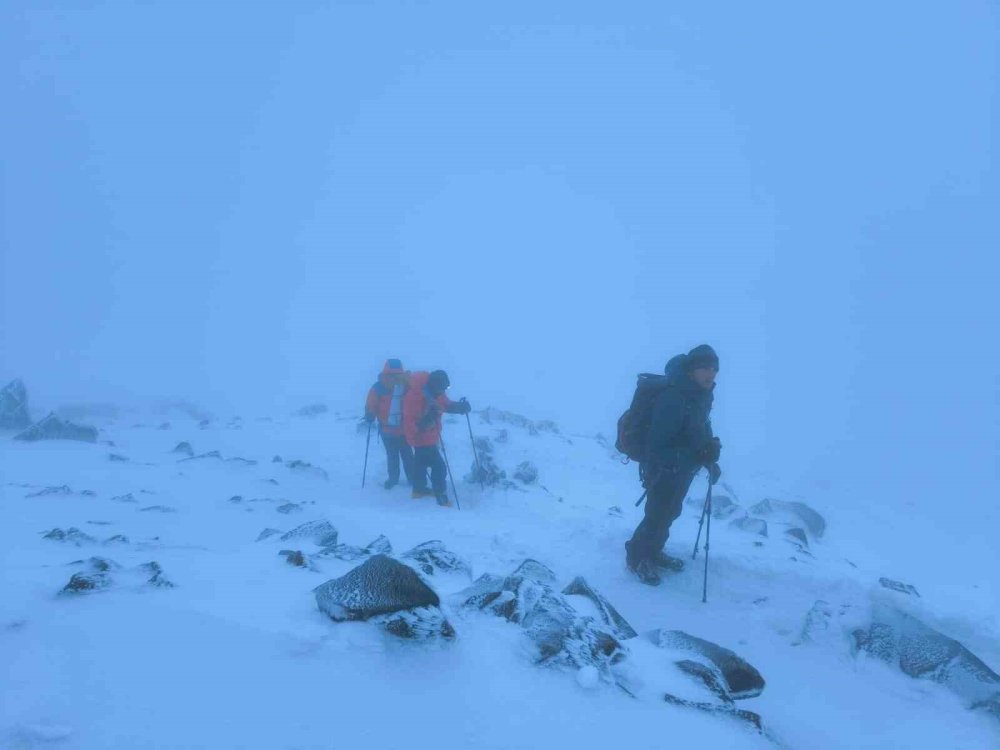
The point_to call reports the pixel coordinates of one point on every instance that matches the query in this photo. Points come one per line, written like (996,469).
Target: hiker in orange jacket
(423,406)
(385,403)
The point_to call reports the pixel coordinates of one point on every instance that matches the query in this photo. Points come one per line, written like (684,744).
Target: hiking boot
(645,571)
(390,483)
(665,561)
(443,500)
(418,493)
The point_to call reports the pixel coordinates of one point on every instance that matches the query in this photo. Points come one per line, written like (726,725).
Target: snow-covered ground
(237,655)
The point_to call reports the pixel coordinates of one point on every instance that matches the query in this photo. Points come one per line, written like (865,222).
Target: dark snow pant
(664,503)
(397,451)
(429,457)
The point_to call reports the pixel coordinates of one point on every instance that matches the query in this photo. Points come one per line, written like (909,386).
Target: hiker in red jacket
(385,403)
(423,405)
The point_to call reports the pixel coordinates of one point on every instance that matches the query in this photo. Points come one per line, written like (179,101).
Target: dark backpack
(633,424)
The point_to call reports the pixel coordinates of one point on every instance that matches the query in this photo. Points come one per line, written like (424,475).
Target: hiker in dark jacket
(678,444)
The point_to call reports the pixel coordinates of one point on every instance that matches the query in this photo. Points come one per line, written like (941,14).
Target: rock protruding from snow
(484,469)
(902,588)
(493,416)
(922,652)
(483,590)
(62,489)
(14,406)
(526,472)
(723,506)
(609,615)
(267,533)
(216,455)
(53,428)
(388,591)
(795,512)
(320,532)
(741,678)
(433,557)
(96,577)
(72,535)
(560,635)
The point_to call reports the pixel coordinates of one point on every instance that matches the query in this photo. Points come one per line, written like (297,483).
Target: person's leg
(439,472)
(421,462)
(391,443)
(673,505)
(406,455)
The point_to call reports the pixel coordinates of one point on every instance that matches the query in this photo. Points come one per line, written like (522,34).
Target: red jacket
(379,401)
(422,412)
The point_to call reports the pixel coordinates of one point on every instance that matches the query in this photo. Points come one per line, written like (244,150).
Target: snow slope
(237,655)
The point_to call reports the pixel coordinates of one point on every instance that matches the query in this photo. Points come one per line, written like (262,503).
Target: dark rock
(83,583)
(484,468)
(289,508)
(126,498)
(526,472)
(708,676)
(756,526)
(203,456)
(204,424)
(815,523)
(72,535)
(164,426)
(615,511)
(267,533)
(158,509)
(53,428)
(241,461)
(922,652)
(276,460)
(88,493)
(62,489)
(609,615)
(156,578)
(378,586)
(433,556)
(307,469)
(312,410)
(742,679)
(236,499)
(116,539)
(903,588)
(420,623)
(798,536)
(117,457)
(320,532)
(294,557)
(736,713)
(184,448)
(14,406)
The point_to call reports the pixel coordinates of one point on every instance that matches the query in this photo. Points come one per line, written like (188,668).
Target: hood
(392,367)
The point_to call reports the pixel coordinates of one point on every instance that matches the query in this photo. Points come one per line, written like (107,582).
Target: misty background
(252,206)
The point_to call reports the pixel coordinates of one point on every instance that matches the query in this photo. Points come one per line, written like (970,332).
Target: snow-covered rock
(742,680)
(922,652)
(608,614)
(796,513)
(72,535)
(756,526)
(53,428)
(431,557)
(320,532)
(14,406)
(304,468)
(389,592)
(526,472)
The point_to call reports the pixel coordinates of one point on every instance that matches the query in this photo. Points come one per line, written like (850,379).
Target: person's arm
(371,405)
(461,406)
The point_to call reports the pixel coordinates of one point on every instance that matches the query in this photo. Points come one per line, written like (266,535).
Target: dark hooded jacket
(680,425)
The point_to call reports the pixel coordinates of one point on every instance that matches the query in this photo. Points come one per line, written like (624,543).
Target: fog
(253,207)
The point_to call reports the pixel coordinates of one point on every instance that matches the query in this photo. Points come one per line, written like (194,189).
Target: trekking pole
(368,441)
(701,522)
(479,469)
(708,534)
(447,465)
(643,497)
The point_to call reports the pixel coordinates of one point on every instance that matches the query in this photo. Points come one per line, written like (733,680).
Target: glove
(711,452)
(714,472)
(466,407)
(369,417)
